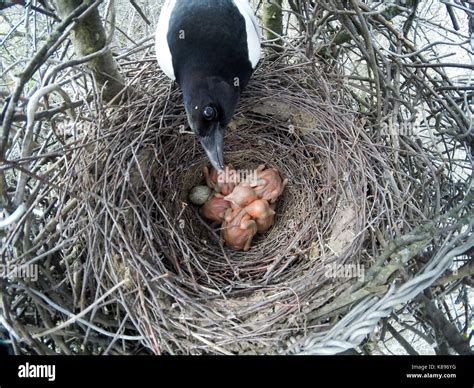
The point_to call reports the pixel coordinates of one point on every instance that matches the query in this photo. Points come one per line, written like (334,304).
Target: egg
(199,195)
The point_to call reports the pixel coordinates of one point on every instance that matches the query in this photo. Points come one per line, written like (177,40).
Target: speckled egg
(199,195)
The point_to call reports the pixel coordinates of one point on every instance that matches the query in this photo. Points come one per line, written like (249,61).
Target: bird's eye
(209,113)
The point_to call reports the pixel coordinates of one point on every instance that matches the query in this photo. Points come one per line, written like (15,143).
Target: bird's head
(210,104)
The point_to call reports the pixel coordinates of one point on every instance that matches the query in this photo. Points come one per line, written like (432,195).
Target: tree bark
(88,37)
(273,22)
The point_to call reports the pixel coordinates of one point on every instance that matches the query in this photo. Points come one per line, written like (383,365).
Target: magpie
(210,48)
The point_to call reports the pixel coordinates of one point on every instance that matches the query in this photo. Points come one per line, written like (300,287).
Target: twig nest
(189,294)
(127,225)
(199,195)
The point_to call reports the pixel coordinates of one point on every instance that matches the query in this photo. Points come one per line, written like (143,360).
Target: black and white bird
(211,48)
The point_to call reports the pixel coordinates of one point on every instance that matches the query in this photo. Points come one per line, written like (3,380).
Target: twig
(402,341)
(31,68)
(140,12)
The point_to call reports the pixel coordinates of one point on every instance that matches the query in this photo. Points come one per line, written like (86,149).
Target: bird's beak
(214,147)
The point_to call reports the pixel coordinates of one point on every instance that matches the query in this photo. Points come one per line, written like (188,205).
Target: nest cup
(186,292)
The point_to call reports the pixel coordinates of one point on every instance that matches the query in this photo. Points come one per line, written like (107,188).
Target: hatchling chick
(238,229)
(215,208)
(222,182)
(262,213)
(242,196)
(269,184)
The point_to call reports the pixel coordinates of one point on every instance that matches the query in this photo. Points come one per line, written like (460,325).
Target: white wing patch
(163,53)
(253,30)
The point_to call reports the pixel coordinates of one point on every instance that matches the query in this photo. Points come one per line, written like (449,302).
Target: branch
(8,4)
(48,114)
(402,341)
(31,68)
(140,12)
(467,270)
(29,132)
(273,22)
(444,326)
(88,38)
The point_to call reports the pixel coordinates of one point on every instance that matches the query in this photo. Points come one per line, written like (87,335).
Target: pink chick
(269,184)
(238,229)
(242,196)
(215,207)
(262,213)
(222,182)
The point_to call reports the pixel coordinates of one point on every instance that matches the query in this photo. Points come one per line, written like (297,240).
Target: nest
(195,294)
(133,266)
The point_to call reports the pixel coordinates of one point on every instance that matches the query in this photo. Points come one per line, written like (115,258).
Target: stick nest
(196,294)
(154,275)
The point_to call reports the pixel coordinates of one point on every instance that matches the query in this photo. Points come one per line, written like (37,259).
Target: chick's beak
(213,144)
